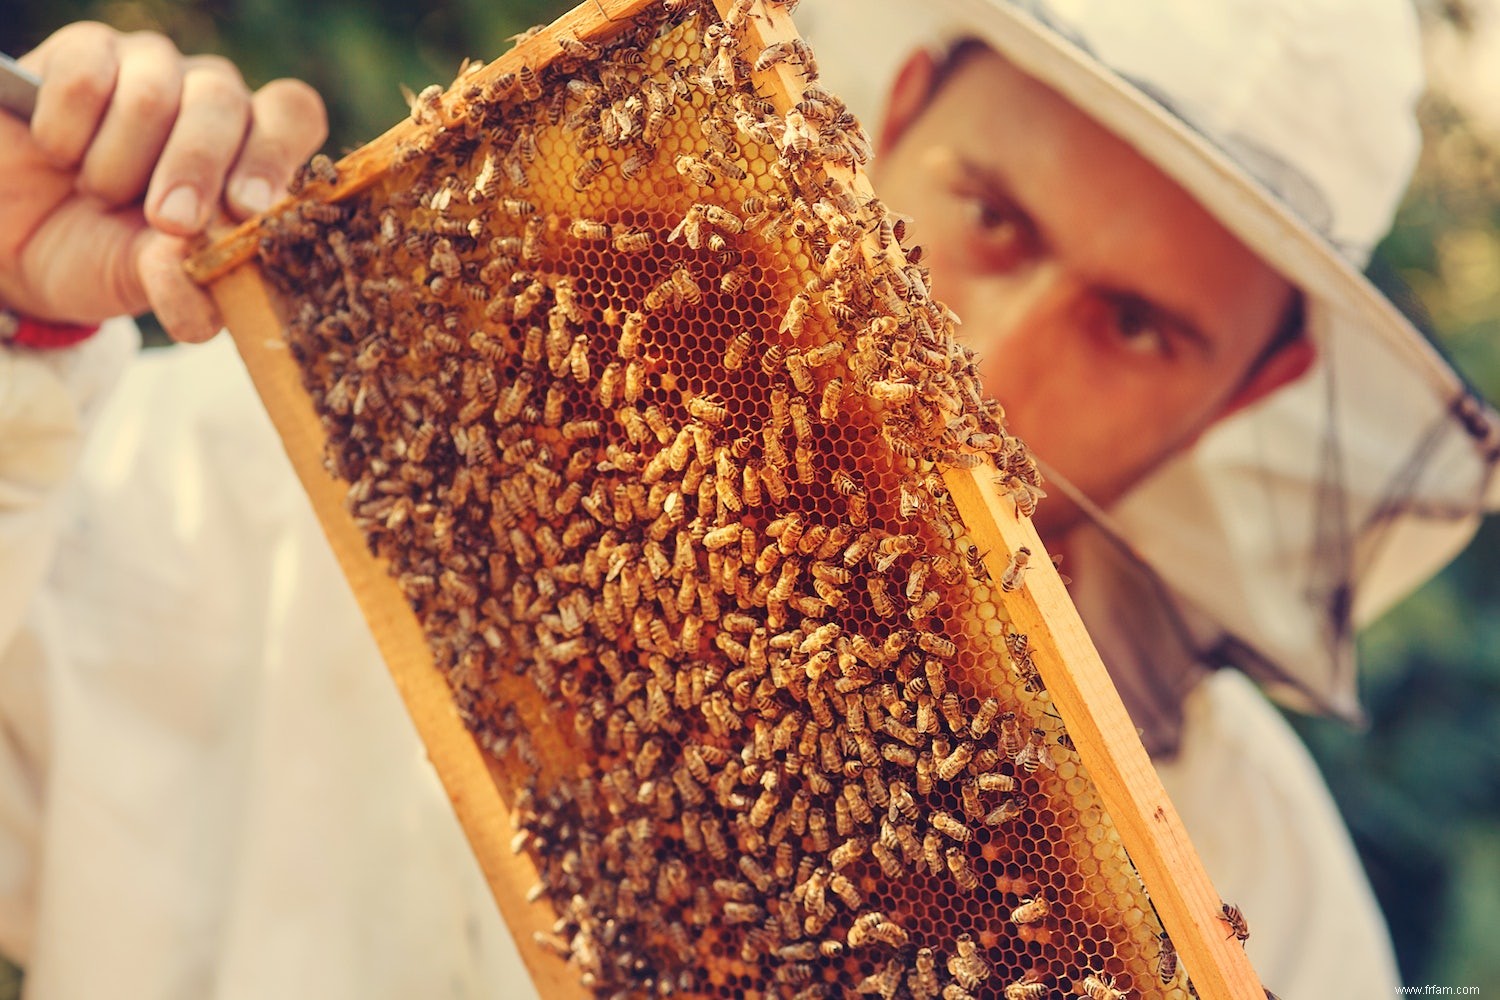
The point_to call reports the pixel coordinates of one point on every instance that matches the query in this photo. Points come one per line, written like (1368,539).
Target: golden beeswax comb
(699,558)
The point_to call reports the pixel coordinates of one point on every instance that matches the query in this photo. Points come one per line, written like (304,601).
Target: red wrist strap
(40,334)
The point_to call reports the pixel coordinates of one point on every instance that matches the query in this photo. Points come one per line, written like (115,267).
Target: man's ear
(909,96)
(1289,363)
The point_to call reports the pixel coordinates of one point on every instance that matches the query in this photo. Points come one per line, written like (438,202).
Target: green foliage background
(1421,787)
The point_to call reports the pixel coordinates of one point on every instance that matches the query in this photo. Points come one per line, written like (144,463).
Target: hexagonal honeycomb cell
(641,404)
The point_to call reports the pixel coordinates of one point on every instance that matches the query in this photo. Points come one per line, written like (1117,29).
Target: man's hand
(132,150)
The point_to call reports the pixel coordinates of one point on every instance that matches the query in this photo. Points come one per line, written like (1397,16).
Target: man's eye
(1124,324)
(1135,325)
(1000,233)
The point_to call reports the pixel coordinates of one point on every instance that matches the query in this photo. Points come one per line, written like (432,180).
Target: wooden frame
(1106,740)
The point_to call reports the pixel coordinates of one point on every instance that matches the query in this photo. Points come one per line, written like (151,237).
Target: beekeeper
(1150,217)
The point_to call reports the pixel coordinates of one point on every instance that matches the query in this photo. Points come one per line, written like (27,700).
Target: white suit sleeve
(1272,840)
(47,401)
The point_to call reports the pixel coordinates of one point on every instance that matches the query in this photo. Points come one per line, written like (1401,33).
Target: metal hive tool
(674,509)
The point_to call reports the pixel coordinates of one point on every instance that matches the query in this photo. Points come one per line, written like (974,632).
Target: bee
(578,363)
(630,334)
(975,561)
(884,981)
(690,228)
(771,55)
(739,347)
(721,162)
(787,530)
(980,724)
(1101,986)
(951,827)
(635,381)
(709,408)
(1035,754)
(849,894)
(628,241)
(686,286)
(879,595)
(855,552)
(531,86)
(833,394)
(574,48)
(637,162)
(938,645)
(1006,812)
(775,485)
(1014,574)
(967,967)
(517,208)
(662,296)
(1239,927)
(587,172)
(817,830)
(802,457)
(874,927)
(921,609)
(647,758)
(802,428)
(742,913)
(1166,962)
(958,866)
(1032,910)
(1024,494)
(950,766)
(848,852)
(793,322)
(892,391)
(723,219)
(444,260)
(728,496)
(718,538)
(531,240)
(427,106)
(609,381)
(891,548)
(1028,987)
(590,230)
(734,279)
(695,170)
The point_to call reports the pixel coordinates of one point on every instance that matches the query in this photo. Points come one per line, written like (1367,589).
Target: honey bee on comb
(648,438)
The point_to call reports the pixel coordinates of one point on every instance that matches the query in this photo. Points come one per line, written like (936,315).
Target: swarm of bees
(642,403)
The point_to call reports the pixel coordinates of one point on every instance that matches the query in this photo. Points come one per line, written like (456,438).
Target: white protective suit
(208,787)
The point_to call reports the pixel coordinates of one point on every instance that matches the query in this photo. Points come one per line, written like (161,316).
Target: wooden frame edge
(1107,742)
(460,763)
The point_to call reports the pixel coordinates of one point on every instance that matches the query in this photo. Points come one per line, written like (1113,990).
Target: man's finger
(78,66)
(140,116)
(289,124)
(205,142)
(184,309)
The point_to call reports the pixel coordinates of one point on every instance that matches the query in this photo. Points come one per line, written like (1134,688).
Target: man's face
(1113,317)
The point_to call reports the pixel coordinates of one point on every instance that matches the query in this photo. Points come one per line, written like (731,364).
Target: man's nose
(1030,301)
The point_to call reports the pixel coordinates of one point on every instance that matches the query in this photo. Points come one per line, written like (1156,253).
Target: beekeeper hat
(1296,519)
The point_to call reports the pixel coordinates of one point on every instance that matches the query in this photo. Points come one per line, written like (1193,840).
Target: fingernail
(253,194)
(180,207)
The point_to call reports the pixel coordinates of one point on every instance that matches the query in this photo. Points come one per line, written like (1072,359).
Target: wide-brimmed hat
(1291,522)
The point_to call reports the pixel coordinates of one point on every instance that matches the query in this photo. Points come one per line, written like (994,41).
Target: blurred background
(1421,787)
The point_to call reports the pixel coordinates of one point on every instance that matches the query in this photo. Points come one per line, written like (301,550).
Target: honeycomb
(643,404)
